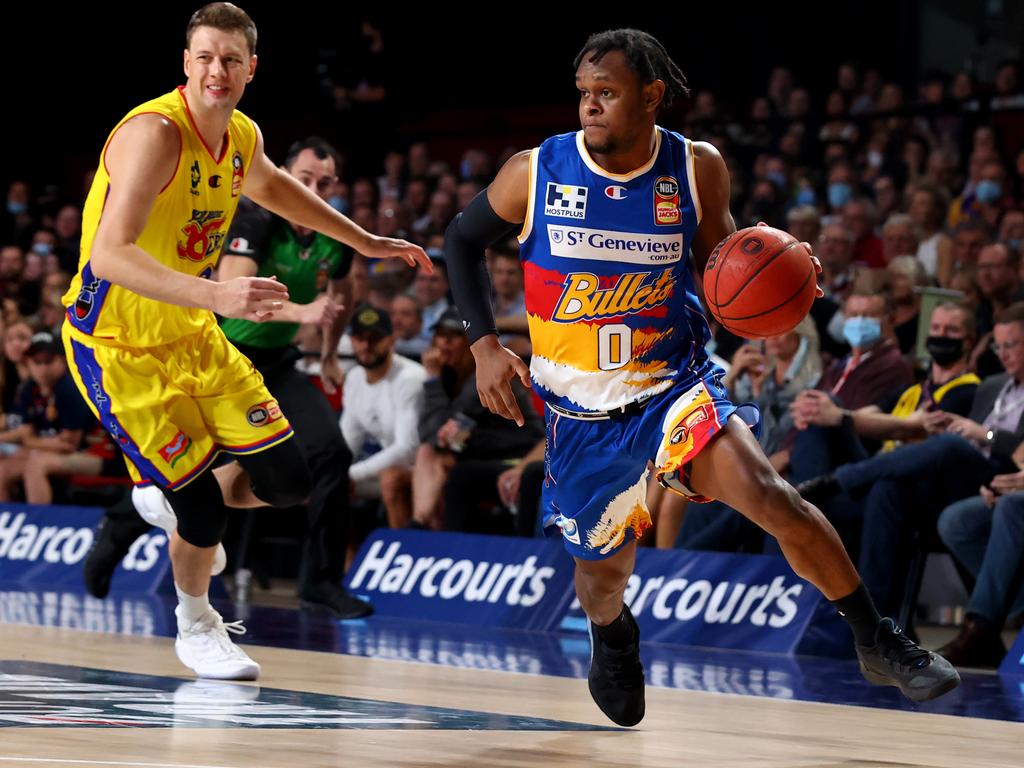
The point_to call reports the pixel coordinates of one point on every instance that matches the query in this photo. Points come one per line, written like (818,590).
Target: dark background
(494,74)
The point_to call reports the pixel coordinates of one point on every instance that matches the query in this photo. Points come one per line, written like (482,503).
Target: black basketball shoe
(115,535)
(897,660)
(617,676)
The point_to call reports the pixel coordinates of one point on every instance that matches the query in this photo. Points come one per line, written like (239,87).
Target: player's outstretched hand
(390,248)
(496,366)
(250,298)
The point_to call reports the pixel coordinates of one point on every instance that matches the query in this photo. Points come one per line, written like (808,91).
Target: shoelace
(906,651)
(624,666)
(218,630)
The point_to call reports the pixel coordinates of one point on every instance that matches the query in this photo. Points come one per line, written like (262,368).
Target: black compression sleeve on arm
(464,242)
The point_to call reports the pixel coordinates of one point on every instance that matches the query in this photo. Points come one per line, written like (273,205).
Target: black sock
(858,609)
(619,633)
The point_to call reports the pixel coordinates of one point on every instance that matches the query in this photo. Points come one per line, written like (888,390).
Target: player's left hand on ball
(390,248)
(817,268)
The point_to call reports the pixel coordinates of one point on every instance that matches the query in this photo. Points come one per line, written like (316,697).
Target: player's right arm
(492,214)
(141,159)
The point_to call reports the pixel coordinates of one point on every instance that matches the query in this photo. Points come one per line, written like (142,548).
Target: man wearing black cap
(455,425)
(383,401)
(49,418)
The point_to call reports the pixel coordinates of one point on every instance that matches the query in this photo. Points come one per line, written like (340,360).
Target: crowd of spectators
(897,405)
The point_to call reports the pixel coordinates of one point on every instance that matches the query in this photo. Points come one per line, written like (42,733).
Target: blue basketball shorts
(595,484)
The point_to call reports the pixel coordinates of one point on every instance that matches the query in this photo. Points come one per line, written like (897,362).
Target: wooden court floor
(682,728)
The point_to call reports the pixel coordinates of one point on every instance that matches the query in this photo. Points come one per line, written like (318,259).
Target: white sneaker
(205,648)
(152,507)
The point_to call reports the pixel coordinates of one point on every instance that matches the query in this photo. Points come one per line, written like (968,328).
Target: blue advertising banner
(1013,664)
(714,599)
(44,546)
(711,599)
(486,580)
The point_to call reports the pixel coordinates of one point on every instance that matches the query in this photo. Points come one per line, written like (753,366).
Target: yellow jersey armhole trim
(691,177)
(255,144)
(527,229)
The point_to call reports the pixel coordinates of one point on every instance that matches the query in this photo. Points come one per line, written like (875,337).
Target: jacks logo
(237,174)
(86,299)
(666,201)
(263,413)
(203,237)
(583,299)
(175,449)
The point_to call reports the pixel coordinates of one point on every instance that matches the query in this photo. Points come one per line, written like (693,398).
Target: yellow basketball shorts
(172,408)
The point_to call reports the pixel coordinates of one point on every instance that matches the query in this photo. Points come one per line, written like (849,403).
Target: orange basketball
(759,282)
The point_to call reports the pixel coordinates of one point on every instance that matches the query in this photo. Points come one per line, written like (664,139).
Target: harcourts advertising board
(45,546)
(748,602)
(487,580)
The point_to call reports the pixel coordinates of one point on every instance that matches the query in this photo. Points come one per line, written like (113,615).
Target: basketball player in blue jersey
(608,216)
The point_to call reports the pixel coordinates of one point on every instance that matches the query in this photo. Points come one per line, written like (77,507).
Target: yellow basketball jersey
(185,231)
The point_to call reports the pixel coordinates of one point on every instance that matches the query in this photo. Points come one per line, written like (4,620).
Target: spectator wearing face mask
(874,369)
(902,492)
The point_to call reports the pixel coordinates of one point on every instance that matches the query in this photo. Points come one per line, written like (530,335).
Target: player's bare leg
(734,469)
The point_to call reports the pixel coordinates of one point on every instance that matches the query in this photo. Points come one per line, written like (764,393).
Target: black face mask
(944,350)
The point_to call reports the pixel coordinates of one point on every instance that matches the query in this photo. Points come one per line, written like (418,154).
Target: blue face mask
(16,208)
(43,249)
(989,191)
(1014,244)
(466,169)
(839,194)
(862,332)
(338,203)
(806,196)
(778,178)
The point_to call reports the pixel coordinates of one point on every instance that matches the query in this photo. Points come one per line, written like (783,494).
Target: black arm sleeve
(468,235)
(248,232)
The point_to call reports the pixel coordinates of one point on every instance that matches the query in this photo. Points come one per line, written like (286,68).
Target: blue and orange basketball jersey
(612,307)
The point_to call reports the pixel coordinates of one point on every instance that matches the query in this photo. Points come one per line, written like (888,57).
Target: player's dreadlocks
(644,54)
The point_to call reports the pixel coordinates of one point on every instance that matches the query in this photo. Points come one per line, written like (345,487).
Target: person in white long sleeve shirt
(383,399)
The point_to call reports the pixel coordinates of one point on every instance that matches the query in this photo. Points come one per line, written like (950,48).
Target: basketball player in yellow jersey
(142,341)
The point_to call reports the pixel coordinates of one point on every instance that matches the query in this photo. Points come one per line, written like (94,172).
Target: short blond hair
(226,17)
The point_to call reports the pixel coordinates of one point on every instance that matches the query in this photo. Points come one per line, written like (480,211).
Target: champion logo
(615,192)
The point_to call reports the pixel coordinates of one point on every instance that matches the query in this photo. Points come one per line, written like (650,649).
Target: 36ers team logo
(175,449)
(237,174)
(86,300)
(203,237)
(263,413)
(666,201)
